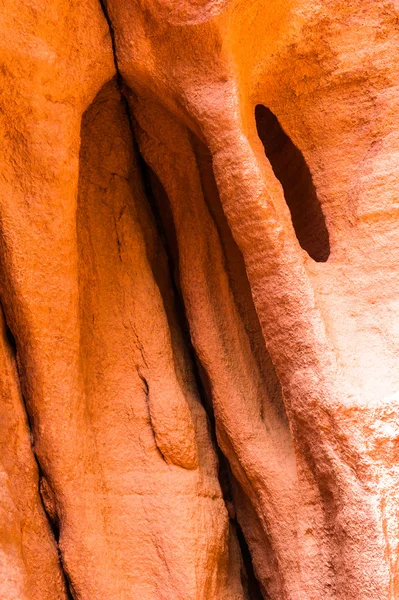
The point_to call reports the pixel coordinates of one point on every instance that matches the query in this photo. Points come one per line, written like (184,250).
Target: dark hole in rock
(291,170)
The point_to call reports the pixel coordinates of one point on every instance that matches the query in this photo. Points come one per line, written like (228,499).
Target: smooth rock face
(199,250)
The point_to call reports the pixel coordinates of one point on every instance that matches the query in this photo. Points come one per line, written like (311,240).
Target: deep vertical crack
(200,376)
(119,78)
(103,4)
(201,379)
(53,525)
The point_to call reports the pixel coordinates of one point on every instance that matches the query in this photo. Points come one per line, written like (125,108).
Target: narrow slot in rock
(161,211)
(291,169)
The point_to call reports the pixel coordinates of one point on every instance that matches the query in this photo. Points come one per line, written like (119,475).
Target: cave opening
(290,168)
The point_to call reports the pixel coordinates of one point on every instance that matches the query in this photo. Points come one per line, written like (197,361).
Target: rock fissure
(159,204)
(198,409)
(51,521)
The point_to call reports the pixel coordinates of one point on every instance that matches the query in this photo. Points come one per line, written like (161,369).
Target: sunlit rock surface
(199,341)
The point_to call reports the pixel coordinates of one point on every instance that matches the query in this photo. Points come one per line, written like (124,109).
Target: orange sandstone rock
(29,563)
(129,476)
(241,258)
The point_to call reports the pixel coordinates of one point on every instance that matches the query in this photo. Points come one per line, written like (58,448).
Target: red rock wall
(198,258)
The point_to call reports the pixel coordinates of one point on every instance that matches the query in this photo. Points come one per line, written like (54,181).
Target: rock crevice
(199,267)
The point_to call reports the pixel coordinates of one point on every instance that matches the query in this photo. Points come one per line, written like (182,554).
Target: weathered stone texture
(199,259)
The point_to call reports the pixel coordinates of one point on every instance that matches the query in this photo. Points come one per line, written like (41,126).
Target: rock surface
(199,383)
